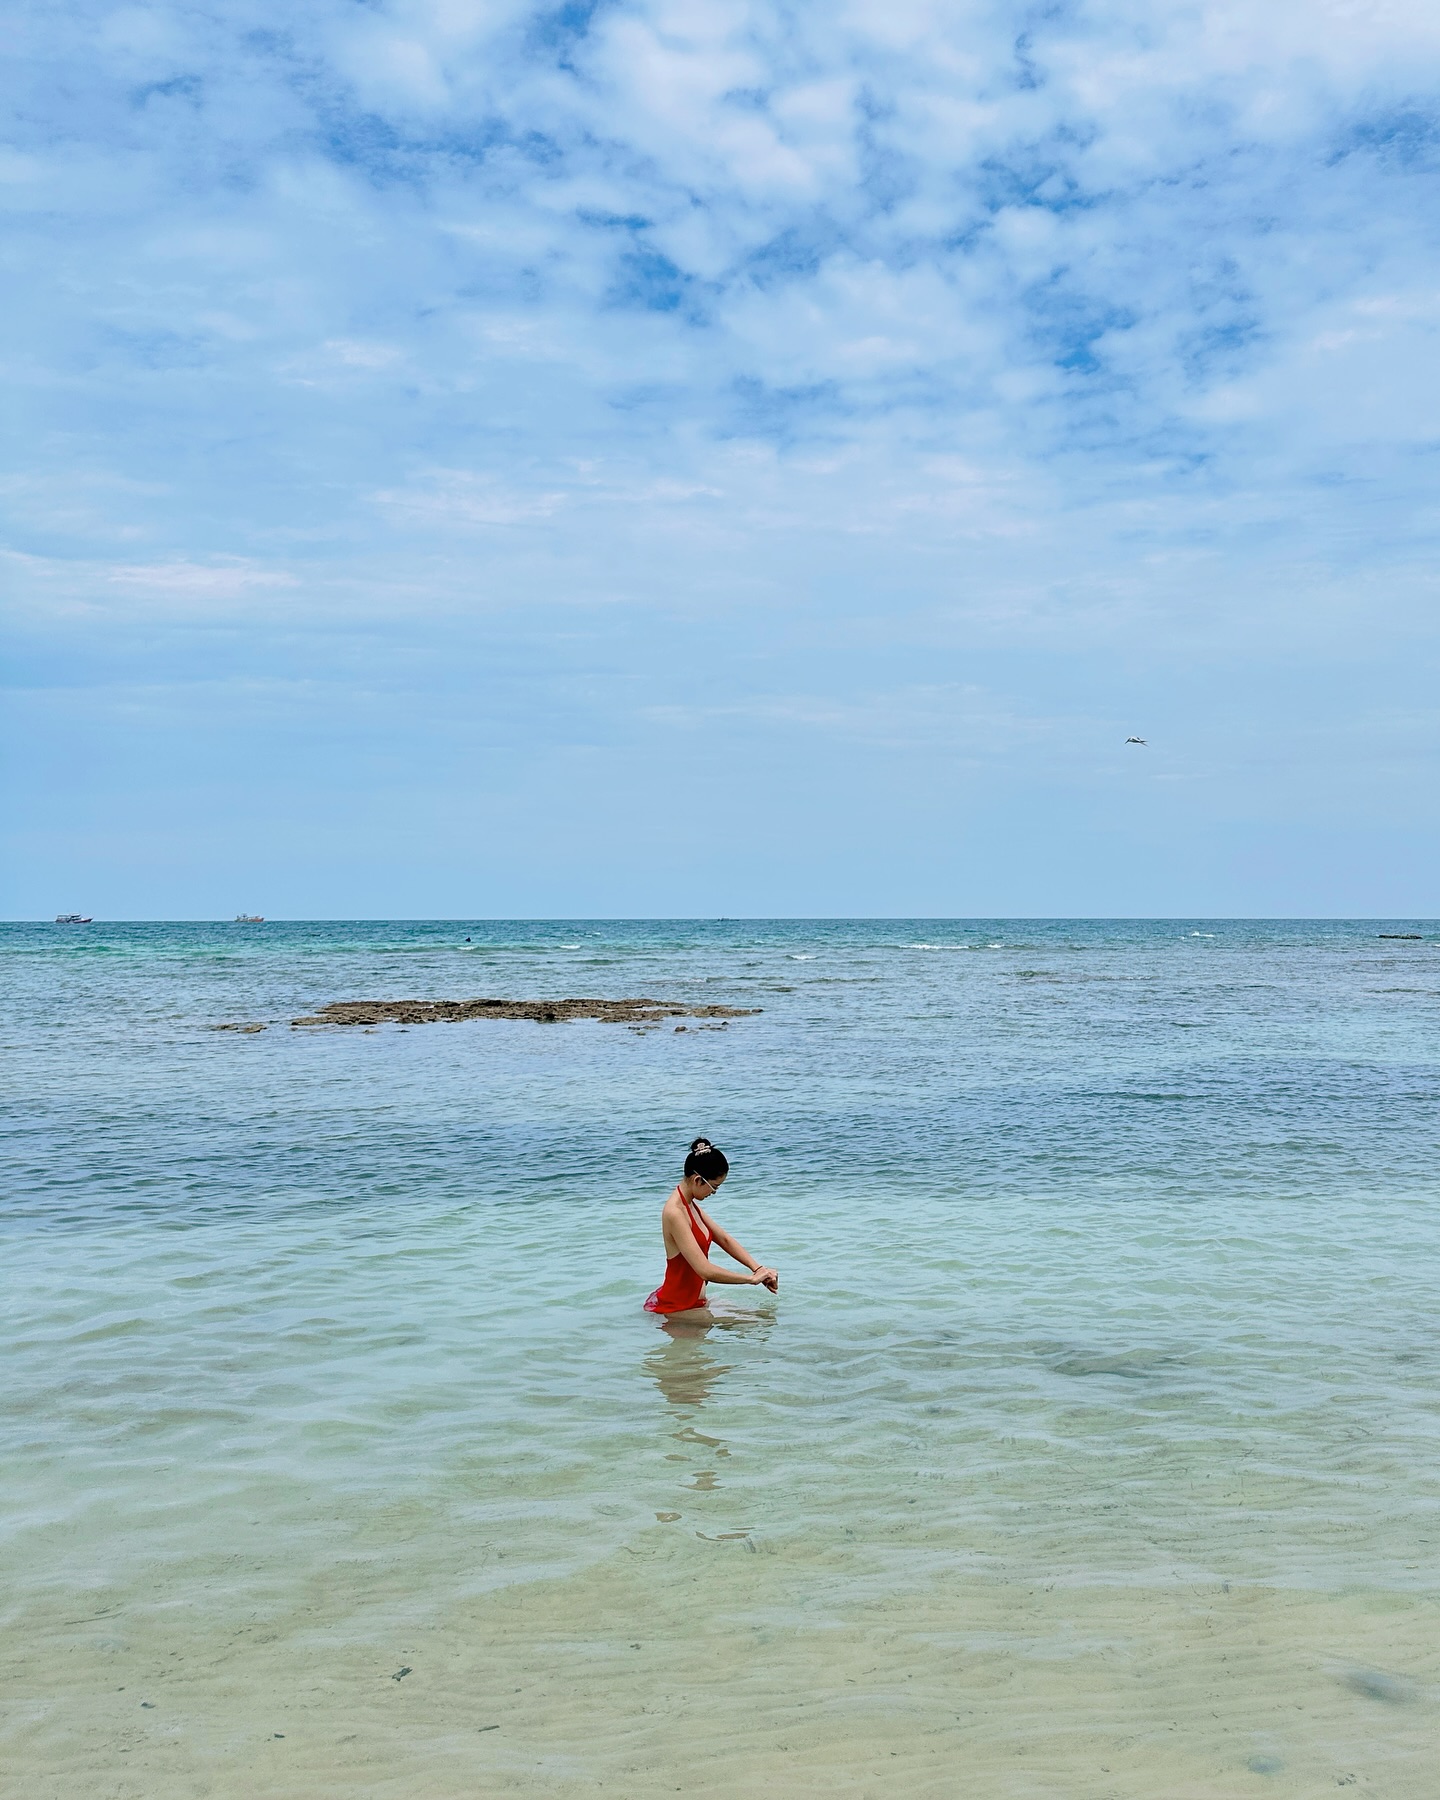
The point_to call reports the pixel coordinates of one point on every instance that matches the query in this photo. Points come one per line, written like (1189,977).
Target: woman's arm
(733,1247)
(685,1243)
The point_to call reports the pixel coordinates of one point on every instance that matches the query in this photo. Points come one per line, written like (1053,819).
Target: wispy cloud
(199,581)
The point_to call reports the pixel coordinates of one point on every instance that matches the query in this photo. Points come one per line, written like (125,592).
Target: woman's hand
(768,1278)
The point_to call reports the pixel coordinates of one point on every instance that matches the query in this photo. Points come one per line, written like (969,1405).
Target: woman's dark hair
(706,1161)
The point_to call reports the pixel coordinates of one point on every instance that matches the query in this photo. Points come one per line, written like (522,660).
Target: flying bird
(1136,741)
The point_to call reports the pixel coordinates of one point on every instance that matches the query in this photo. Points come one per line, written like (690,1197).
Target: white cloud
(458,497)
(199,581)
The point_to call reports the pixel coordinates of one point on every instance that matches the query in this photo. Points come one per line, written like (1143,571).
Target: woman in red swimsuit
(689,1233)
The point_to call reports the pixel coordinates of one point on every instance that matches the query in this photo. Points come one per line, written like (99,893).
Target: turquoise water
(1089,1448)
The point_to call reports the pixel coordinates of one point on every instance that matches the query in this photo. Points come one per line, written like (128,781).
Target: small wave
(940,946)
(794,958)
(1204,934)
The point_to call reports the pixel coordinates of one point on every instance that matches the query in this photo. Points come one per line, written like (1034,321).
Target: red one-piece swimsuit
(682,1289)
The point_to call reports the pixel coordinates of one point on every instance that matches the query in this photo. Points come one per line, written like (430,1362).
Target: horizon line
(774,919)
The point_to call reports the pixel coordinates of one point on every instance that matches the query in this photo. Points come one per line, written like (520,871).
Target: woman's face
(704,1187)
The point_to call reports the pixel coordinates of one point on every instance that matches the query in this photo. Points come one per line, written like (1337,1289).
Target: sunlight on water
(1089,1448)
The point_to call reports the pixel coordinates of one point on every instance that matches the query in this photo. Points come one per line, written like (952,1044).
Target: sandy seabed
(709,1666)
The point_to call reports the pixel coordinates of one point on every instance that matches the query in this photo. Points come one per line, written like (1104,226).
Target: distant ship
(249,918)
(73,919)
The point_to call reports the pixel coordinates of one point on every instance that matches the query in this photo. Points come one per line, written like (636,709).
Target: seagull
(1137,741)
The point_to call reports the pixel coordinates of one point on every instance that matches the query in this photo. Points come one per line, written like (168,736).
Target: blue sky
(468,458)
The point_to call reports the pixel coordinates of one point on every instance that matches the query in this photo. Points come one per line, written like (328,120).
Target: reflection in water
(683,1369)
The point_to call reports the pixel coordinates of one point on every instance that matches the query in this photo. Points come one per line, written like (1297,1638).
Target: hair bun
(707,1162)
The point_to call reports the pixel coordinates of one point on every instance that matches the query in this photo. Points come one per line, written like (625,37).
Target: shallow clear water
(1089,1448)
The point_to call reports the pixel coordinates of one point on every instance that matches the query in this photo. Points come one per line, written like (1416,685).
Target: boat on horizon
(249,918)
(73,919)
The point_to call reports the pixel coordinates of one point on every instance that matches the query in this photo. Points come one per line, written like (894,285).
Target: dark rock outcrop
(545,1012)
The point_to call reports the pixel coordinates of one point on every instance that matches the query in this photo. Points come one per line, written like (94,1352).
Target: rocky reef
(544,1012)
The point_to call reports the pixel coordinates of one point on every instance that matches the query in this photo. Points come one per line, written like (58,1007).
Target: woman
(689,1233)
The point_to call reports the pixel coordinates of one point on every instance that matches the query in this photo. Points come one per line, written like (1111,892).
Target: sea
(1088,1451)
